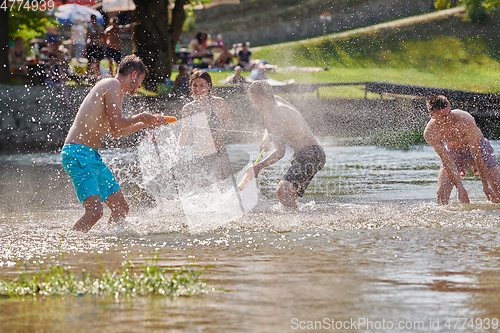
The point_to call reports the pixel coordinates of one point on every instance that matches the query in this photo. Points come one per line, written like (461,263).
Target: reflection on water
(368,242)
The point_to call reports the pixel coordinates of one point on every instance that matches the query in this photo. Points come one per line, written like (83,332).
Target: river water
(368,251)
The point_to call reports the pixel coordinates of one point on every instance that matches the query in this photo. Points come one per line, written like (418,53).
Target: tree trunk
(4,47)
(156,36)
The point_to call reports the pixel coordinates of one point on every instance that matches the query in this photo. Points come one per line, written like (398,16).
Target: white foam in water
(213,209)
(203,209)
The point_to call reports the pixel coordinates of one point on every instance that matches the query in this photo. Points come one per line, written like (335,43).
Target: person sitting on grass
(245,57)
(225,59)
(17,58)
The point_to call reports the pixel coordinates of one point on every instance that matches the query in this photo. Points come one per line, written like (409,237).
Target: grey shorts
(305,164)
(463,157)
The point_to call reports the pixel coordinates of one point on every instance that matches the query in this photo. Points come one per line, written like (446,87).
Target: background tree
(156,36)
(4,47)
(477,10)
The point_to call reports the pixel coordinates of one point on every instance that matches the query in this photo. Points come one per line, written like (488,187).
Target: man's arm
(128,26)
(266,142)
(474,136)
(121,126)
(275,156)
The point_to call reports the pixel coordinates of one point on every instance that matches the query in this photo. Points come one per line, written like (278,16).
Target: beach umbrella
(72,14)
(58,3)
(117,5)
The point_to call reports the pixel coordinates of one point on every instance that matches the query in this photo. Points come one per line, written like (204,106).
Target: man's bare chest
(451,134)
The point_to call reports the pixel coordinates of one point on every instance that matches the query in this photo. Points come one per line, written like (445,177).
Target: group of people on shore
(452,133)
(201,54)
(88,40)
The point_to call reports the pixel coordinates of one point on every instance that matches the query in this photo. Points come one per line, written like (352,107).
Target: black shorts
(305,164)
(116,55)
(94,52)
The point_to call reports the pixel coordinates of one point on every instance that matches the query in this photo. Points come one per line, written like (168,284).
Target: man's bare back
(286,124)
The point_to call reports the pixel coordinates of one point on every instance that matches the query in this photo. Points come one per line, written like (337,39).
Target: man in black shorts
(285,126)
(93,50)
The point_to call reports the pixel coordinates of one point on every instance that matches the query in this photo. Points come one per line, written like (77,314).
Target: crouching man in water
(465,146)
(101,112)
(286,126)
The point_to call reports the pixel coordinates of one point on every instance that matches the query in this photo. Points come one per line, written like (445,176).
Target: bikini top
(214,122)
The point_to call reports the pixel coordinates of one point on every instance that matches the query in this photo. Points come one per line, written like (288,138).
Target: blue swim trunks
(87,171)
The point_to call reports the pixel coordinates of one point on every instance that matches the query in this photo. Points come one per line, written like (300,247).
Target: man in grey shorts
(285,126)
(465,146)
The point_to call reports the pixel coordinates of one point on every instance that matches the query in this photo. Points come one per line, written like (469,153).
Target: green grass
(436,54)
(55,280)
(404,139)
(439,52)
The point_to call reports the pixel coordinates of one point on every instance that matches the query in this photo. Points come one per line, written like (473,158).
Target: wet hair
(19,38)
(437,102)
(200,74)
(131,63)
(261,88)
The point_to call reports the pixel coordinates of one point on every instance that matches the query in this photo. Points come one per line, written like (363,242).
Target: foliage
(56,280)
(398,139)
(477,10)
(28,23)
(161,25)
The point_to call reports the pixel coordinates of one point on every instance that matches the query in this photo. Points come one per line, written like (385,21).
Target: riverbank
(441,50)
(34,119)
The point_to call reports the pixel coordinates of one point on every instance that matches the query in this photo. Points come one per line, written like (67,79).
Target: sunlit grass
(407,56)
(55,280)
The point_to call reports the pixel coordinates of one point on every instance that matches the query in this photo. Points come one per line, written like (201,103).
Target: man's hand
(161,120)
(152,120)
(490,194)
(463,197)
(266,144)
(249,175)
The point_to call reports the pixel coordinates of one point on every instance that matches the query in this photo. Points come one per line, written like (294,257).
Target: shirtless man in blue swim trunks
(285,126)
(459,143)
(100,113)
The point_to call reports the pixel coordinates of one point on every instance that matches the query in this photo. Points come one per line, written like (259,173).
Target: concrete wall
(33,118)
